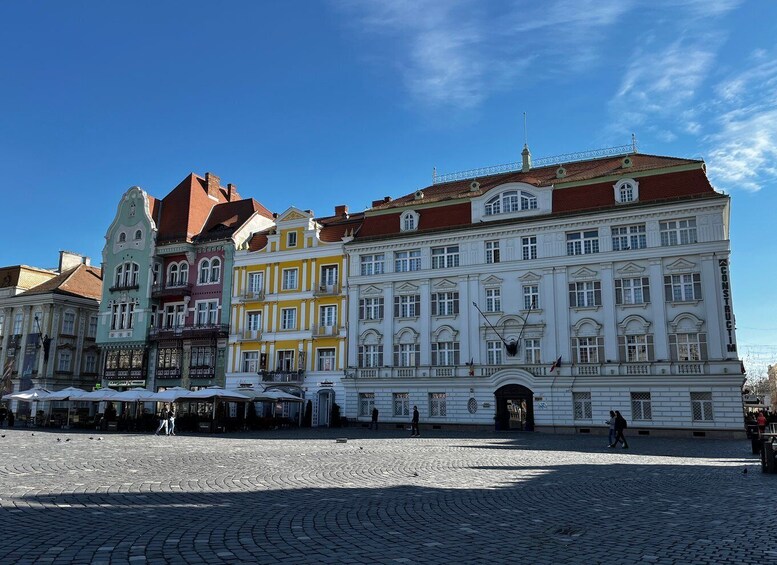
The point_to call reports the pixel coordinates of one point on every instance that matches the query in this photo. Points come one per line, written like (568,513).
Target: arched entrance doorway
(514,408)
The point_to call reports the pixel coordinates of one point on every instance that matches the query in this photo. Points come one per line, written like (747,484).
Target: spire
(525,158)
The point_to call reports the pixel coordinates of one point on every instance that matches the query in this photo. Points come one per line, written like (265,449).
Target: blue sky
(315,104)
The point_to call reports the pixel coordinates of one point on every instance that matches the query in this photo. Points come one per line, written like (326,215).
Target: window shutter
(380,356)
(416,304)
(380,308)
(456,303)
(396,306)
(622,348)
(361,309)
(434,354)
(703,346)
(646,289)
(572,295)
(417,355)
(600,350)
(396,356)
(668,288)
(597,294)
(673,346)
(434,304)
(361,356)
(650,353)
(618,292)
(697,286)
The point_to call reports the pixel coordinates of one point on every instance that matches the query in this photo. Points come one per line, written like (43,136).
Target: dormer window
(511,201)
(626,190)
(409,221)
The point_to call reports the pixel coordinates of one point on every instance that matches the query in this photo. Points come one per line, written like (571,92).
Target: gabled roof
(542,176)
(82,280)
(333,229)
(185,209)
(225,219)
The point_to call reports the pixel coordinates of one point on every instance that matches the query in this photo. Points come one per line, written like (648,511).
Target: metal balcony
(161,290)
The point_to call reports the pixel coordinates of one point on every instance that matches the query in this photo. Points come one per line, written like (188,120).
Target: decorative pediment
(444,333)
(371,290)
(587,327)
(370,337)
(530,277)
(686,323)
(406,335)
(292,215)
(681,265)
(631,269)
(492,281)
(634,325)
(444,284)
(584,273)
(407,288)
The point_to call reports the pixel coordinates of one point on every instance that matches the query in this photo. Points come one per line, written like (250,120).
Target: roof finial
(633,142)
(525,132)
(434,175)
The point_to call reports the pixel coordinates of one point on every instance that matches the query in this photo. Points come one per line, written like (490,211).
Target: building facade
(543,298)
(288,323)
(48,327)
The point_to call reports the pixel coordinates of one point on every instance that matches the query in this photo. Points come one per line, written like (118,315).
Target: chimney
(232,194)
(69,260)
(341,210)
(213,183)
(386,200)
(525,159)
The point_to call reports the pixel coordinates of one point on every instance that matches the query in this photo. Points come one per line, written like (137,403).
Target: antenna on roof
(525,132)
(434,175)
(633,142)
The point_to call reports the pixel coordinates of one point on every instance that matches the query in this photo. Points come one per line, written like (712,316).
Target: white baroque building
(606,279)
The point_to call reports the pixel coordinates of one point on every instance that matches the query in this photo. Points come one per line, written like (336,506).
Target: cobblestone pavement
(382,497)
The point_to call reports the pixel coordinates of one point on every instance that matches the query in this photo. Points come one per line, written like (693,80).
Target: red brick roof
(185,209)
(541,176)
(82,280)
(228,217)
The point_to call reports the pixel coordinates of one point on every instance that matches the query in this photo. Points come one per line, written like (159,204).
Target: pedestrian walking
(761,421)
(611,423)
(414,424)
(171,420)
(374,424)
(163,415)
(620,425)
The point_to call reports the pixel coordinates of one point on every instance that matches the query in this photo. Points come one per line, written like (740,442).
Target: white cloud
(459,53)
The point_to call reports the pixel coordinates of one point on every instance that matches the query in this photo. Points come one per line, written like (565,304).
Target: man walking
(414,426)
(620,425)
(171,420)
(163,415)
(374,424)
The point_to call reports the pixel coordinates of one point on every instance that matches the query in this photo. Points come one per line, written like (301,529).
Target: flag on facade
(556,364)
(6,375)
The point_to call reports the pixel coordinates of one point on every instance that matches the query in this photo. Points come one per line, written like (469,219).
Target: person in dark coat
(611,423)
(620,425)
(164,415)
(374,424)
(414,424)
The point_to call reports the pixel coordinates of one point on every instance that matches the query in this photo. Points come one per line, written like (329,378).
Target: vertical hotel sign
(728,316)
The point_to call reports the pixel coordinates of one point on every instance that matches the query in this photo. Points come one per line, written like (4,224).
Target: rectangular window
(288,318)
(255,283)
(401,403)
(445,257)
(678,232)
(370,356)
(366,403)
(254,321)
(65,358)
(582,405)
(69,323)
(406,261)
(588,349)
(91,332)
(531,296)
(329,276)
(371,264)
(636,348)
(445,354)
(583,242)
(492,252)
(701,406)
(688,346)
(407,355)
(289,279)
(168,358)
(407,306)
(641,408)
(18,322)
(437,404)
(202,356)
(326,359)
(529,247)
(493,300)
(632,291)
(445,303)
(585,294)
(90,364)
(284,360)
(371,308)
(682,288)
(250,361)
(625,238)
(291,239)
(532,349)
(207,313)
(328,317)
(2,325)
(494,352)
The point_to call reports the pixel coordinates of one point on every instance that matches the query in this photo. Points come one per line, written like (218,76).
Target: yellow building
(289,312)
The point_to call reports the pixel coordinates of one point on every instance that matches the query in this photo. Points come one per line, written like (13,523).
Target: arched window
(204,272)
(215,270)
(626,190)
(409,221)
(183,273)
(172,275)
(511,201)
(138,235)
(528,201)
(122,237)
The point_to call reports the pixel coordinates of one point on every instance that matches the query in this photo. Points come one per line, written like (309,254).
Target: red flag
(556,364)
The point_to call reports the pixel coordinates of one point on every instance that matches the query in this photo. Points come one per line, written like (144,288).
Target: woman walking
(611,423)
(620,425)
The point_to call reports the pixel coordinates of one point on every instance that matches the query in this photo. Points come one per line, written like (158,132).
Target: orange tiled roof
(83,280)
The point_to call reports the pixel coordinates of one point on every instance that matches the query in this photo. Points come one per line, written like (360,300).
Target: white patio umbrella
(29,395)
(68,394)
(216,392)
(169,395)
(278,395)
(136,394)
(100,394)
